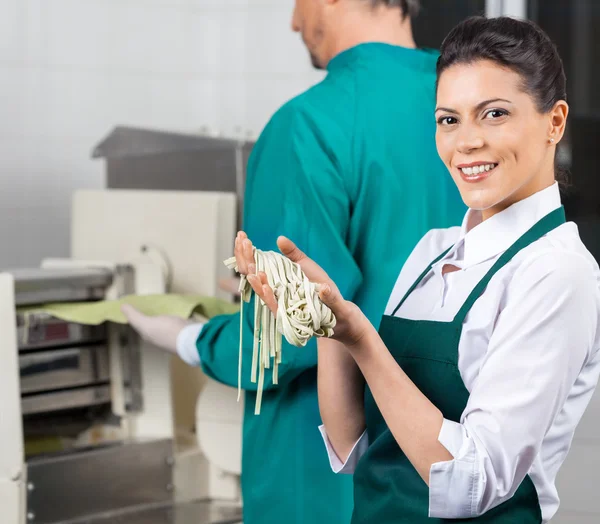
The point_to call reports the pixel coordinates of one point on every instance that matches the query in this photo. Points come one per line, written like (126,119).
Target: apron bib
(387,488)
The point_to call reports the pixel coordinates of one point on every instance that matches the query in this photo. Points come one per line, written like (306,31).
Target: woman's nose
(470,139)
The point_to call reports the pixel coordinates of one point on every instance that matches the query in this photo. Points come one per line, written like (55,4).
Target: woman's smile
(474,172)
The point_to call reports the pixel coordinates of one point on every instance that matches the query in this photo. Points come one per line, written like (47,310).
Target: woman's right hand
(244,254)
(351,323)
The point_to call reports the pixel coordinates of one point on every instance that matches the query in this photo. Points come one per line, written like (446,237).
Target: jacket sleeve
(295,187)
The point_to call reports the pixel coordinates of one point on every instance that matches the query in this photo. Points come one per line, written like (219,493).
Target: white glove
(230,285)
(161,331)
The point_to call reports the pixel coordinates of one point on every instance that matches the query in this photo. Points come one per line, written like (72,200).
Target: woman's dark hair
(515,44)
(520,46)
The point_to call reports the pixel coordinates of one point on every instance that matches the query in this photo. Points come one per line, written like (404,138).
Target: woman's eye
(495,113)
(447,121)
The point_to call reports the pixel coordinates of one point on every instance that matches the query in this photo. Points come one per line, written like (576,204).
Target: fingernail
(325,290)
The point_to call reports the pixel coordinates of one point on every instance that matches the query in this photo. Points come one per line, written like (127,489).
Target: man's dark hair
(409,8)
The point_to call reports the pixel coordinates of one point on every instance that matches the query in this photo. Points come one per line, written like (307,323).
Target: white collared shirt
(528,354)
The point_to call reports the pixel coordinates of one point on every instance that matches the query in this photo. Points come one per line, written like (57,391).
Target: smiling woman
(489,349)
(501,111)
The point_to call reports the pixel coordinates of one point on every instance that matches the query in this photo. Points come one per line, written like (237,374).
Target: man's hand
(230,285)
(161,331)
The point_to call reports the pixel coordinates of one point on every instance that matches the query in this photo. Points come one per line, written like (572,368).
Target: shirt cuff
(186,344)
(453,485)
(358,450)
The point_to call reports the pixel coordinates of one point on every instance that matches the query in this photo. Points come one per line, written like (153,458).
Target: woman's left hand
(351,323)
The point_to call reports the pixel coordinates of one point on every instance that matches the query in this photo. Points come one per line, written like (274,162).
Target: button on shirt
(528,354)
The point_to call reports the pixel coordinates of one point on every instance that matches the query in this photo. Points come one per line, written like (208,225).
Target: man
(349,171)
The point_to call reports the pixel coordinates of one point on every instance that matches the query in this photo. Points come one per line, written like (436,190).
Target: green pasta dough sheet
(95,313)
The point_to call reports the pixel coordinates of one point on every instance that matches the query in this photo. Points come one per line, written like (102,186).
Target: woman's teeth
(475,170)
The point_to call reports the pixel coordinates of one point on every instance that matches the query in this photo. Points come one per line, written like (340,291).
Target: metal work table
(190,513)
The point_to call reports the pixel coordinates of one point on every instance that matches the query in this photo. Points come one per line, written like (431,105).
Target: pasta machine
(96,425)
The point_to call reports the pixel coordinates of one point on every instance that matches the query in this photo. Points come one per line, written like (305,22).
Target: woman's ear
(558,121)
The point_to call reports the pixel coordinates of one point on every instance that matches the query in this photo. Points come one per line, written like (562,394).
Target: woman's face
(491,136)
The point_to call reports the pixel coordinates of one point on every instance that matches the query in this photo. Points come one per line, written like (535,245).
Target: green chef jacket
(349,171)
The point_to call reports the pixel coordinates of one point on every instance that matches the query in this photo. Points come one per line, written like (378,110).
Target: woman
(487,355)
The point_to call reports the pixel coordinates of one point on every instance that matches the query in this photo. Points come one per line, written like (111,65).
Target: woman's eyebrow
(447,110)
(478,107)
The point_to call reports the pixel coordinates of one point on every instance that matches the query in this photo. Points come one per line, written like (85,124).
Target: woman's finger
(249,256)
(256,285)
(265,293)
(331,298)
(239,254)
(290,250)
(263,278)
(269,295)
(269,299)
(312,270)
(236,245)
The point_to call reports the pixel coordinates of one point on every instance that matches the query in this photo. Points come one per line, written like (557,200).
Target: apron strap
(421,277)
(551,221)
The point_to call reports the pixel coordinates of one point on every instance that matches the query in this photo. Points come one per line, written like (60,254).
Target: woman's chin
(478,200)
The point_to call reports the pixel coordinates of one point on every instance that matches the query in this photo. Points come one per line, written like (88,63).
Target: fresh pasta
(301,315)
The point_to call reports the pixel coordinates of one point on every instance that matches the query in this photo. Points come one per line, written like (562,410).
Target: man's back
(378,102)
(348,171)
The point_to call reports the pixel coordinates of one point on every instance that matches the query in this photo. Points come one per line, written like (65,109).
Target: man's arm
(295,187)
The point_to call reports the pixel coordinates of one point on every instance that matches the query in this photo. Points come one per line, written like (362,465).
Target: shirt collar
(482,240)
(422,59)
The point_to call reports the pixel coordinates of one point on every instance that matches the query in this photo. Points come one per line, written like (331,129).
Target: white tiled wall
(73,69)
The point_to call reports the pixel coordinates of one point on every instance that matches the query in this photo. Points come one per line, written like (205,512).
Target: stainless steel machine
(64,365)
(153,159)
(95,424)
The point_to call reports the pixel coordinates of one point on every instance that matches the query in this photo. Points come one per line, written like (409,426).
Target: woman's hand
(244,254)
(351,324)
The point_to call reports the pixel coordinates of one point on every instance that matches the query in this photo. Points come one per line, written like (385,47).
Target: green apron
(388,489)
